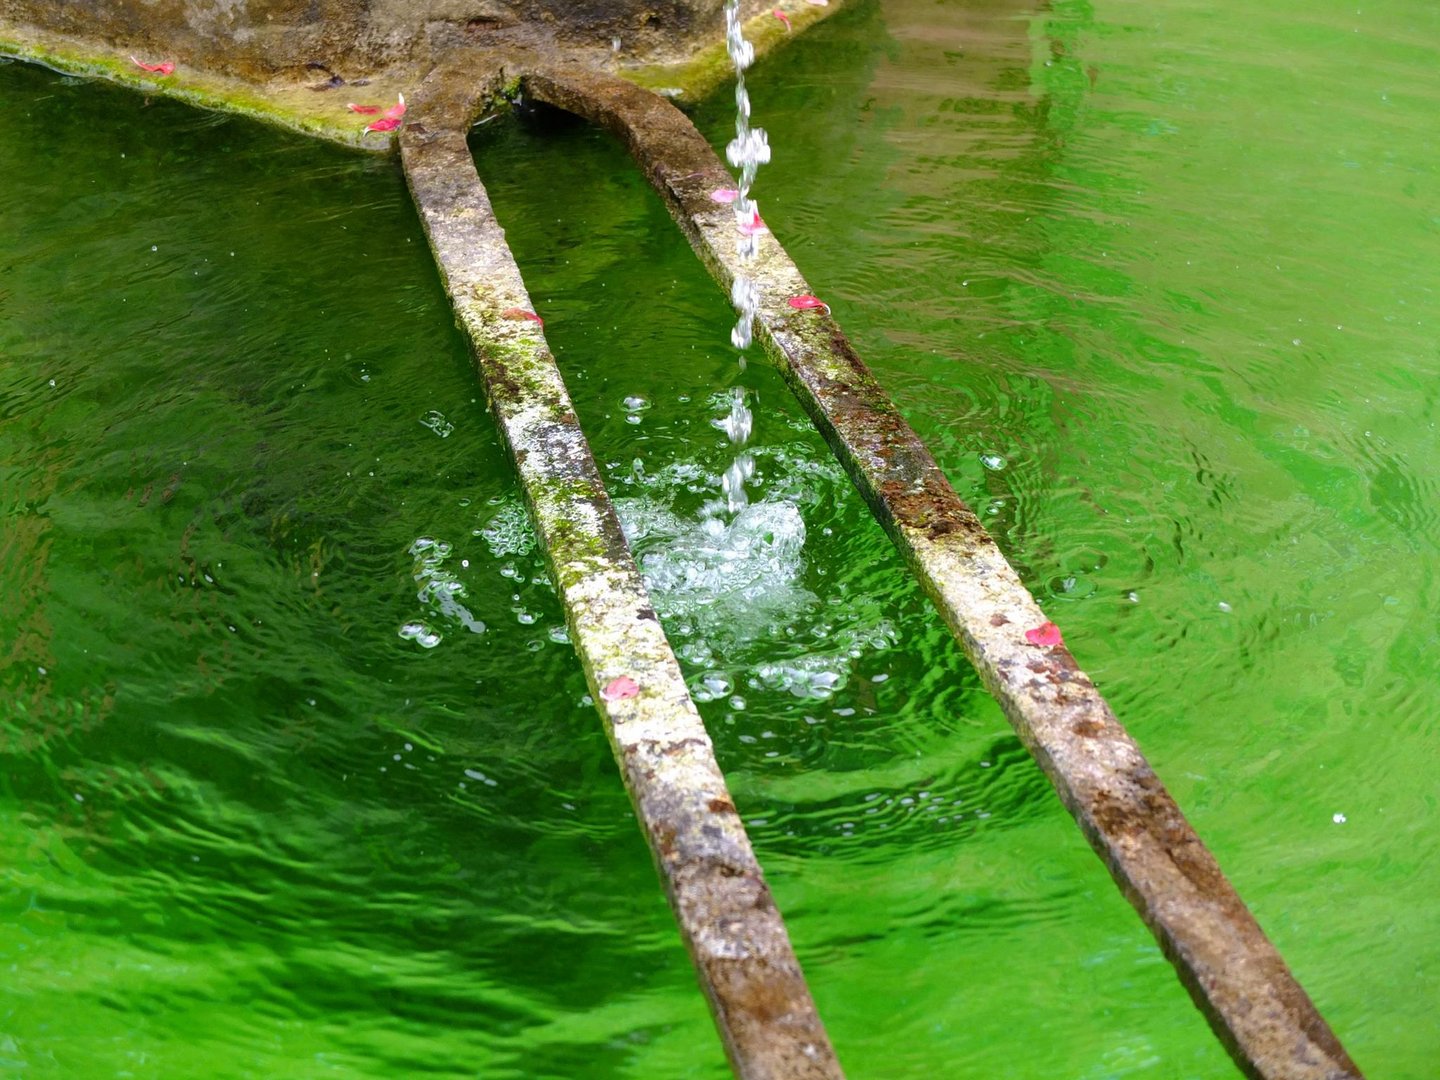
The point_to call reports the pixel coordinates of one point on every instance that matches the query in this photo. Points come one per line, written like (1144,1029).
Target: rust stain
(763,1000)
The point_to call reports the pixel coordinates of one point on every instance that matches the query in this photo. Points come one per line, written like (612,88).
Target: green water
(1157,284)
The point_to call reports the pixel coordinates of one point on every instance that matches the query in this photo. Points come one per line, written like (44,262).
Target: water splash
(724,583)
(735,585)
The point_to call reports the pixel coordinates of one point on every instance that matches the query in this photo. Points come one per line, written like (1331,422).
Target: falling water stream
(747,152)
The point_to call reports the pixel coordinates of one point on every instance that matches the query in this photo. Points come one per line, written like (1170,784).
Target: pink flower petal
(783,18)
(620,689)
(363,110)
(1047,633)
(521,313)
(753,227)
(385,123)
(724,195)
(165,67)
(808,303)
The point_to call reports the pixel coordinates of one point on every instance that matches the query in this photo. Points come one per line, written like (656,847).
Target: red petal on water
(165,67)
(394,112)
(620,689)
(783,18)
(807,303)
(363,110)
(385,123)
(521,313)
(1047,633)
(724,195)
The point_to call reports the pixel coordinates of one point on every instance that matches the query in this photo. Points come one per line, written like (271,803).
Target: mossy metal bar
(762,1006)
(1234,973)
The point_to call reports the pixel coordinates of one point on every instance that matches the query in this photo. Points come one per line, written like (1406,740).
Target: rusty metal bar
(762,1006)
(1233,972)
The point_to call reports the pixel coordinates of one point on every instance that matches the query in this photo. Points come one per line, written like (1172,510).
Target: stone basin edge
(288,99)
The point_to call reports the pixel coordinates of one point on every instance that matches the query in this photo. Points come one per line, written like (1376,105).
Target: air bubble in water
(439,588)
(436,422)
(508,532)
(711,686)
(421,634)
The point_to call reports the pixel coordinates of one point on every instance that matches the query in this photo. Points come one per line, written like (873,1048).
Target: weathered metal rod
(728,919)
(1234,973)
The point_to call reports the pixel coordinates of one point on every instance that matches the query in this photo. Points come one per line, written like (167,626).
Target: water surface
(299,775)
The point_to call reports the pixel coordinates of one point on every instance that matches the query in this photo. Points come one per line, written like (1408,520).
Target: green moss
(686,82)
(285,108)
(690,81)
